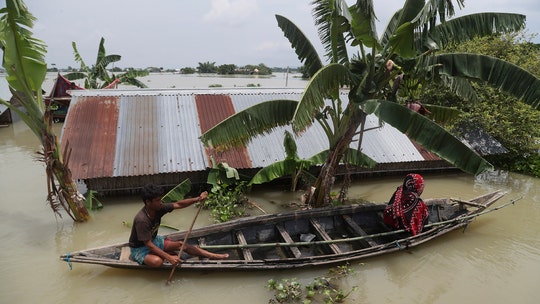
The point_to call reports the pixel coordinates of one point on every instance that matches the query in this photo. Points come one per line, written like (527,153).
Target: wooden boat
(303,238)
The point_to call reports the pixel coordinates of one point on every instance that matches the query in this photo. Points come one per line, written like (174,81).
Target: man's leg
(194,250)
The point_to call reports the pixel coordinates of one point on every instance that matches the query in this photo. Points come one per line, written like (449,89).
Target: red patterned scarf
(406,210)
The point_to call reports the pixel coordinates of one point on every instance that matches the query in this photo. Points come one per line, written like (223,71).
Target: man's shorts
(139,253)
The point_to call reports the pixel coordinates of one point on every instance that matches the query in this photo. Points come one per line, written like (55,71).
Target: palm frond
(101,51)
(461,87)
(178,192)
(240,128)
(75,75)
(362,22)
(291,149)
(300,43)
(24,55)
(134,73)
(438,8)
(279,169)
(134,82)
(497,73)
(326,83)
(351,156)
(332,22)
(402,42)
(428,134)
(100,69)
(464,28)
(79,58)
(390,28)
(359,159)
(91,201)
(443,115)
(410,12)
(130,77)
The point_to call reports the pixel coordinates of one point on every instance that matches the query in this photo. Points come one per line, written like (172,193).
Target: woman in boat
(406,210)
(151,249)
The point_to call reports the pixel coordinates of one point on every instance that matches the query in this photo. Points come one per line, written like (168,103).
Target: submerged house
(119,140)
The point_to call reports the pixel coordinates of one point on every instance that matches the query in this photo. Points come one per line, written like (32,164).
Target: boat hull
(304,238)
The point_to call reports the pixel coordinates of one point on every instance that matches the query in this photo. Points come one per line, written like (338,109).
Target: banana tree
(97,76)
(407,49)
(292,166)
(24,62)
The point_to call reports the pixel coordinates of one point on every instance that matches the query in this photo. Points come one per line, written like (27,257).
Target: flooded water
(495,260)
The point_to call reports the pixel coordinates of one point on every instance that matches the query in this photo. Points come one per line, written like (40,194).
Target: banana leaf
(177,193)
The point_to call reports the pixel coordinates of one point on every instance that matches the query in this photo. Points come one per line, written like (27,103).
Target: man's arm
(190,201)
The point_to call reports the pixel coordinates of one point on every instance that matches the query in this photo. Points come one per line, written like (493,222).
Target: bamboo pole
(264,245)
(185,241)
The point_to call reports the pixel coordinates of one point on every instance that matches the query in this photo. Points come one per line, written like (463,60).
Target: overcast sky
(176,33)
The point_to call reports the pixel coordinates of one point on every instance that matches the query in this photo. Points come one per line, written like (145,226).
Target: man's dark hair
(150,192)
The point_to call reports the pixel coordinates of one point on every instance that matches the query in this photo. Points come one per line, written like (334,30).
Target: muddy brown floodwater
(495,260)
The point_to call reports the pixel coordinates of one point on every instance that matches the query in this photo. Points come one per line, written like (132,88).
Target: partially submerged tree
(24,62)
(97,76)
(403,58)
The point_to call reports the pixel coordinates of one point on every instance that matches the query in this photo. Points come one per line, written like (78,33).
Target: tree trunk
(325,180)
(62,189)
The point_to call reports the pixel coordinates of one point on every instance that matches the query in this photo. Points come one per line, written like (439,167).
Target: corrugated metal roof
(115,133)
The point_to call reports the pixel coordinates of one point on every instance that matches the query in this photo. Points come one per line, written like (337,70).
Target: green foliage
(97,76)
(227,201)
(292,166)
(260,69)
(178,192)
(376,75)
(187,70)
(207,67)
(24,61)
(226,69)
(91,201)
(227,197)
(323,289)
(523,163)
(513,123)
(215,85)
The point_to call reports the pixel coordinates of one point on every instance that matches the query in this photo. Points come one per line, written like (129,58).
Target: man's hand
(174,260)
(203,196)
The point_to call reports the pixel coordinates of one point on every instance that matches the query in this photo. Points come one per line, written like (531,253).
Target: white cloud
(231,12)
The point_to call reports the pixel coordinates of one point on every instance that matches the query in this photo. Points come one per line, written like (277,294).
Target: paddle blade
(177,193)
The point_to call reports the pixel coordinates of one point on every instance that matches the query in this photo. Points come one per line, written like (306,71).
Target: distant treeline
(203,68)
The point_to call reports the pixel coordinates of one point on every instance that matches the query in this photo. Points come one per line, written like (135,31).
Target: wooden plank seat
(125,254)
(288,239)
(319,230)
(357,230)
(242,241)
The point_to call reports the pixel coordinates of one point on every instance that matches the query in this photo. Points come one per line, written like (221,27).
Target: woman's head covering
(414,183)
(406,210)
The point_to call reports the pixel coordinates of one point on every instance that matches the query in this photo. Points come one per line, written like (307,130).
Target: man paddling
(149,248)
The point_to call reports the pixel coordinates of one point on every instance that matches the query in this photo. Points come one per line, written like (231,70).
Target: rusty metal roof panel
(117,133)
(158,134)
(89,133)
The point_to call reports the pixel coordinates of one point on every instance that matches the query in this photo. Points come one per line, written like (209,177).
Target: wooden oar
(185,240)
